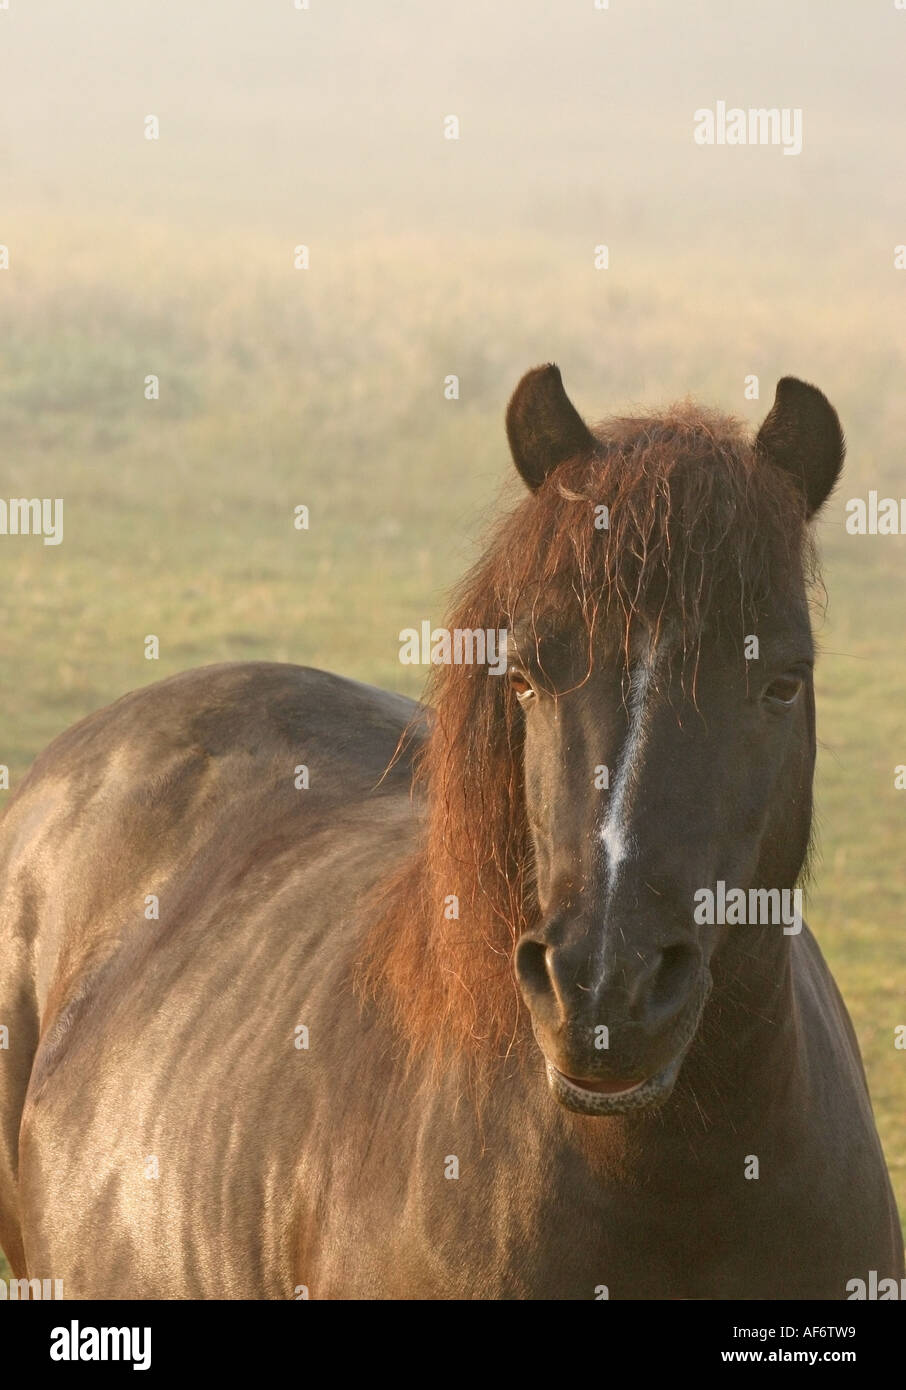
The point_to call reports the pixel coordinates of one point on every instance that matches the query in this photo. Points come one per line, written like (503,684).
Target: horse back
(202,788)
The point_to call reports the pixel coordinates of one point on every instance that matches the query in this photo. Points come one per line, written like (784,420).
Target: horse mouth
(597,1098)
(590,1097)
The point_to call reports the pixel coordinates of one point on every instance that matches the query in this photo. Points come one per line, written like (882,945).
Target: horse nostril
(670,986)
(531,967)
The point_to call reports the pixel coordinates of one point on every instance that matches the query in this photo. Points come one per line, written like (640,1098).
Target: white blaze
(614,832)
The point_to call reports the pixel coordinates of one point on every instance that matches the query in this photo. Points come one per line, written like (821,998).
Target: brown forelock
(699,531)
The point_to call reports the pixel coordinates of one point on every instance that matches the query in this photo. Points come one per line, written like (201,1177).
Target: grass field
(325,387)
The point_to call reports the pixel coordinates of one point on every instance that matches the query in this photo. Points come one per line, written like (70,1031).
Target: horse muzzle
(598,1089)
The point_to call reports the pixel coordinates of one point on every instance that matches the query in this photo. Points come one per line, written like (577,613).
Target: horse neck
(751,1040)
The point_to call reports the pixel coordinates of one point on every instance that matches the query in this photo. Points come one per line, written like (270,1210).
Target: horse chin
(586,1098)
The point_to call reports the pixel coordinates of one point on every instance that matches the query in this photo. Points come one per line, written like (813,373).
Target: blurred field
(325,388)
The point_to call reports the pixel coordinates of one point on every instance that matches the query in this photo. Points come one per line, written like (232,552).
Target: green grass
(326,388)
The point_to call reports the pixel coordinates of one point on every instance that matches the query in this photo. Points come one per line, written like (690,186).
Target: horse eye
(784,690)
(519,683)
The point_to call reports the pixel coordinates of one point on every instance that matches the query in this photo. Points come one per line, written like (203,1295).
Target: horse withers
(449,1016)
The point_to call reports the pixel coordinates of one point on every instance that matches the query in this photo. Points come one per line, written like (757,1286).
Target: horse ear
(543,426)
(802,435)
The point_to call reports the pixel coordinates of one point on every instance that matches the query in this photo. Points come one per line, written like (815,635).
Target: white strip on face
(614,832)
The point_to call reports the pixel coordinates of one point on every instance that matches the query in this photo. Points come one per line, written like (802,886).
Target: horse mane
(701,529)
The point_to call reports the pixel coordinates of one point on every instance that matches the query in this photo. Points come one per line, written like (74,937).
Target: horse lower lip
(601,1088)
(577,1095)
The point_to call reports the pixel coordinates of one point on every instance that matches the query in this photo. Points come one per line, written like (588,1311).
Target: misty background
(429,257)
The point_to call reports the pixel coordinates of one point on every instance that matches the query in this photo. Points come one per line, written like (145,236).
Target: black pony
(274,1041)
